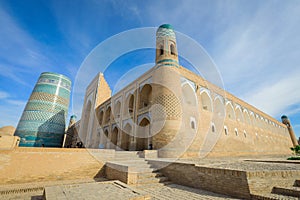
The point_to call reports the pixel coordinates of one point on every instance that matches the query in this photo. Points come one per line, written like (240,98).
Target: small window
(192,124)
(161,51)
(245,134)
(213,128)
(172,47)
(236,132)
(225,130)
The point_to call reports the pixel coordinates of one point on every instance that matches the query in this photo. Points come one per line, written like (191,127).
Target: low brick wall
(263,181)
(226,181)
(222,181)
(24,165)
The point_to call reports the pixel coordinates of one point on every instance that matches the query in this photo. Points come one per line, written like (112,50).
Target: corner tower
(285,120)
(166,46)
(166,94)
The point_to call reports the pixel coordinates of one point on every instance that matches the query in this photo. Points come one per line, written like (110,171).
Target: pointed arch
(189,95)
(126,137)
(239,114)
(145,96)
(143,139)
(219,107)
(107,114)
(230,111)
(117,109)
(129,106)
(114,135)
(206,101)
(101,115)
(106,138)
(252,118)
(246,117)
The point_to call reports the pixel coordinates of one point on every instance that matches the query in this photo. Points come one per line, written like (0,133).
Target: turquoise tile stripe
(44,117)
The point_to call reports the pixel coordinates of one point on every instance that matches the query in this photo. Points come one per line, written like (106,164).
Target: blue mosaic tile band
(43,120)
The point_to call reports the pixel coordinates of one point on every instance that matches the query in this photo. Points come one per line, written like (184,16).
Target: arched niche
(117,109)
(145,96)
(219,109)
(114,136)
(129,104)
(246,117)
(189,95)
(230,111)
(126,137)
(239,114)
(206,101)
(107,114)
(101,115)
(143,139)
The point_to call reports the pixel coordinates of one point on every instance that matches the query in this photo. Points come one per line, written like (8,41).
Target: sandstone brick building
(177,112)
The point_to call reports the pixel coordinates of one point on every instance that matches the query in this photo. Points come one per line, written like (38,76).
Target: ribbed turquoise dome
(168,26)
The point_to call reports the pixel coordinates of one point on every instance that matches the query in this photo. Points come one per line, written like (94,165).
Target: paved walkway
(111,190)
(174,192)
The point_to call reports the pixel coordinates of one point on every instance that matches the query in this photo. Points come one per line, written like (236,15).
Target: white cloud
(3,95)
(277,98)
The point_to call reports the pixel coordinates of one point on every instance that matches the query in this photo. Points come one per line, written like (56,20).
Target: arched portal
(188,95)
(143,139)
(130,104)
(107,114)
(145,96)
(114,136)
(206,101)
(126,136)
(100,118)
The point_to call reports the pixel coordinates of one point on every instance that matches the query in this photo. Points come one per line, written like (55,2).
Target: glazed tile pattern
(43,119)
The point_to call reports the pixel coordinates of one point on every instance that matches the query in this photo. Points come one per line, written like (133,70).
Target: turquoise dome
(168,26)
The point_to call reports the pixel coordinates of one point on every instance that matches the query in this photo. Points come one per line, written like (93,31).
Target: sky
(254,44)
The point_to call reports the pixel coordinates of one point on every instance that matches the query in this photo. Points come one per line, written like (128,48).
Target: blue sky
(255,44)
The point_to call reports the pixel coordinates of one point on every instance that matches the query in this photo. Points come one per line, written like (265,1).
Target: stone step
(288,191)
(131,161)
(297,183)
(152,185)
(132,164)
(143,169)
(149,180)
(150,174)
(272,197)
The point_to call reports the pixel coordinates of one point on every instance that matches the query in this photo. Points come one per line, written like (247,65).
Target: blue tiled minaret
(43,120)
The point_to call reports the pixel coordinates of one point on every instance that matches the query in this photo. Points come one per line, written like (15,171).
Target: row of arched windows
(237,113)
(171,49)
(144,98)
(244,133)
